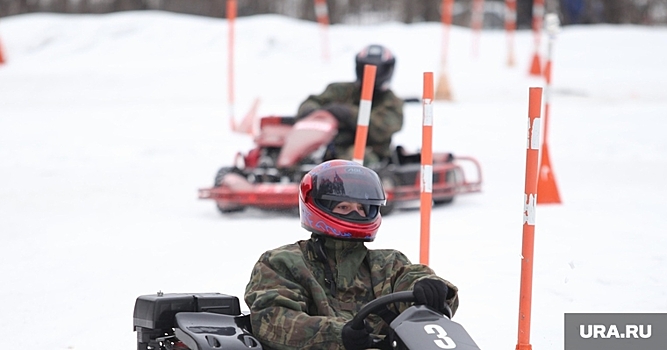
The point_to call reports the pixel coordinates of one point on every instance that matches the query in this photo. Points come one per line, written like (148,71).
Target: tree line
(645,12)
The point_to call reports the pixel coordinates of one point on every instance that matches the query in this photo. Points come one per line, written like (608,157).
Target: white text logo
(604,332)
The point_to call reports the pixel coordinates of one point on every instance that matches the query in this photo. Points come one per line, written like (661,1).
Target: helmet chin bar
(337,226)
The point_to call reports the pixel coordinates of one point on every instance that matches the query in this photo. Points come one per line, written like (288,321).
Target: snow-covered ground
(110,123)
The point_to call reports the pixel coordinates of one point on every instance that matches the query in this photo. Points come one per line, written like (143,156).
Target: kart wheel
(442,201)
(453,179)
(225,208)
(389,183)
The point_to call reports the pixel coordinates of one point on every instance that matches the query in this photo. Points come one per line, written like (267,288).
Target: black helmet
(380,57)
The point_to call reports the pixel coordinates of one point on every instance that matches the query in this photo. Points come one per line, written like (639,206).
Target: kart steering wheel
(374,306)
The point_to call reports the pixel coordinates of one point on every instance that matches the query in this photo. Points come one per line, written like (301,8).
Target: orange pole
(538,14)
(546,184)
(476,21)
(446,20)
(2,55)
(547,96)
(443,91)
(231,17)
(364,116)
(530,200)
(553,27)
(426,188)
(322,14)
(510,27)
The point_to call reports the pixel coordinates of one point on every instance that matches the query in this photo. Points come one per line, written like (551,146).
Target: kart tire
(389,182)
(442,201)
(226,209)
(450,177)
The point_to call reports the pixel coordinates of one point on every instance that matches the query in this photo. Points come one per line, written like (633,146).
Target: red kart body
(268,176)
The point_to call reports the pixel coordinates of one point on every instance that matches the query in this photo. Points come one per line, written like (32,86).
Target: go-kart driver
(342,99)
(303,295)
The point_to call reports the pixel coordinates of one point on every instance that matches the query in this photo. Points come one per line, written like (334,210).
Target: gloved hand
(357,339)
(343,113)
(431,292)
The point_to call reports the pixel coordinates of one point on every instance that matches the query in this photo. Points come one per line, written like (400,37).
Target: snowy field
(110,123)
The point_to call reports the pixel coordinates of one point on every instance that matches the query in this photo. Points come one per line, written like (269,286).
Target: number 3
(444,342)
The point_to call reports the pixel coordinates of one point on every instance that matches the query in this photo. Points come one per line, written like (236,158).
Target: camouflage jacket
(386,116)
(296,302)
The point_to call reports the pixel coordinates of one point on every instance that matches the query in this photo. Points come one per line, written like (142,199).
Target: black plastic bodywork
(199,321)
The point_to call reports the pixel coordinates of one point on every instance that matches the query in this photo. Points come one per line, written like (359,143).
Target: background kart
(268,176)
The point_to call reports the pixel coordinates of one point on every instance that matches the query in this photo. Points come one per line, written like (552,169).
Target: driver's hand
(431,292)
(357,339)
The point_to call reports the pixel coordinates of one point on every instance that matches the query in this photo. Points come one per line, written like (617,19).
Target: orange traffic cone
(536,66)
(443,91)
(247,125)
(547,191)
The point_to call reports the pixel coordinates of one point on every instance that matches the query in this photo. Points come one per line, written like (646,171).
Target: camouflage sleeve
(343,93)
(279,304)
(386,119)
(405,275)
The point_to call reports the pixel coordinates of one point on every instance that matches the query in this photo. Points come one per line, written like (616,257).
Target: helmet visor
(347,183)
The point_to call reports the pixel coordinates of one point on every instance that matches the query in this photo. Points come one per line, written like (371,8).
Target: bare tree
(616,11)
(307,10)
(524,14)
(649,12)
(432,11)
(419,10)
(408,12)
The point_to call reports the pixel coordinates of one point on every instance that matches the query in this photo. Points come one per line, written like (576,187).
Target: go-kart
(268,176)
(213,321)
